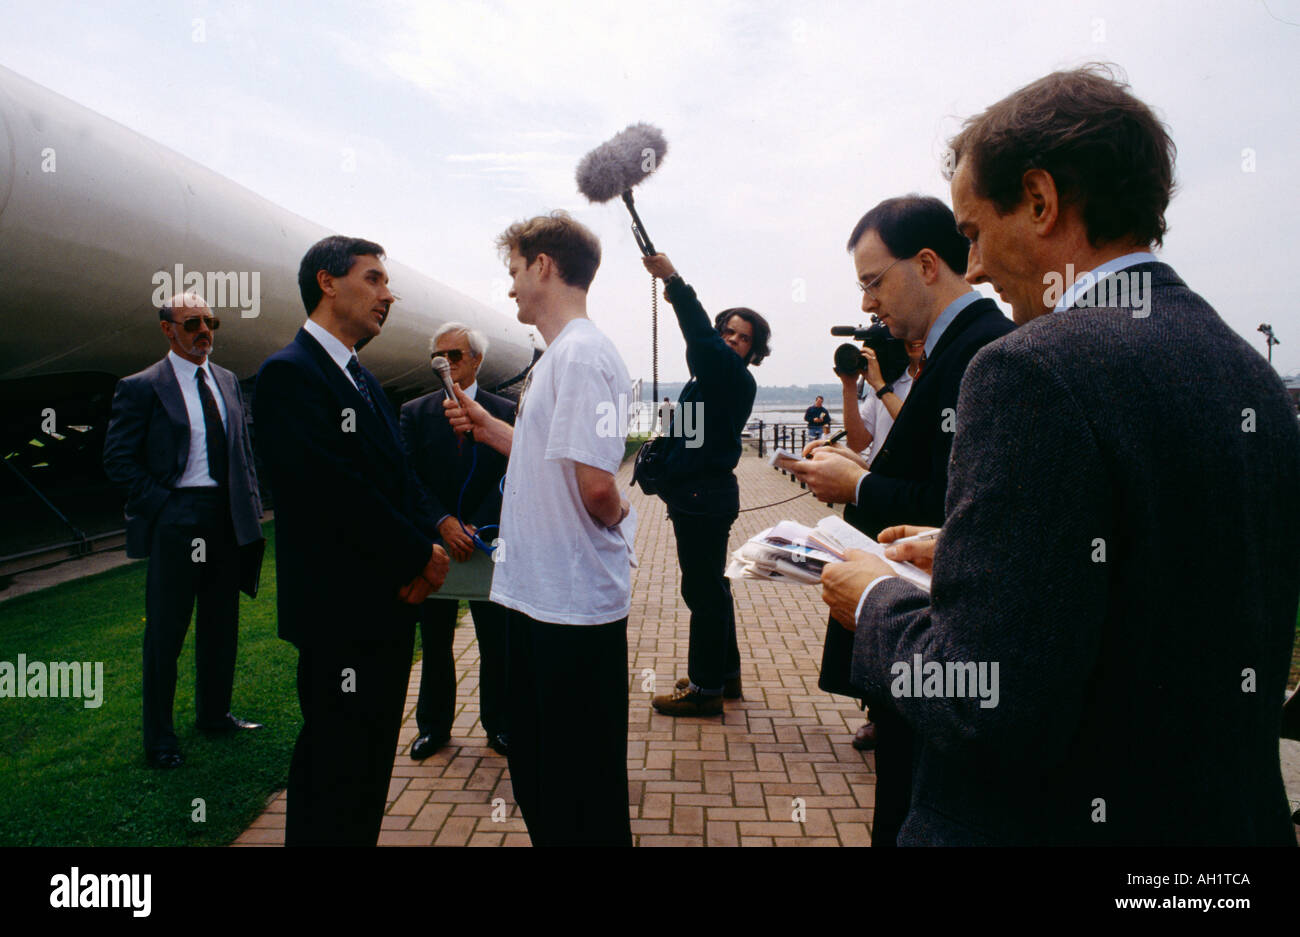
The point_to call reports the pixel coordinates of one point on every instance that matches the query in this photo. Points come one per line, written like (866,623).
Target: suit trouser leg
(568,724)
(352,698)
(714,655)
(491,626)
(216,623)
(170,587)
(436,708)
(893,776)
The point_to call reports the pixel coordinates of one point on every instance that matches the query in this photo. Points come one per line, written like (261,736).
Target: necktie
(214,433)
(354,368)
(920,366)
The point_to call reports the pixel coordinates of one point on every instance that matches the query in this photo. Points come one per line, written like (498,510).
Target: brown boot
(686,702)
(730,688)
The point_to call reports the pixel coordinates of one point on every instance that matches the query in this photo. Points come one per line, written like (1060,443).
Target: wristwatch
(887,389)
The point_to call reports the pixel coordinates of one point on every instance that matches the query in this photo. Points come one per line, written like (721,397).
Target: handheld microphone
(443,370)
(618,164)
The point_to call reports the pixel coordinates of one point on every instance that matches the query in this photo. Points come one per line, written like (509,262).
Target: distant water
(642,420)
(785,413)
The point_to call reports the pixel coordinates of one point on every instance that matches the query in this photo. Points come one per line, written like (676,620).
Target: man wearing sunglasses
(178,442)
(462,481)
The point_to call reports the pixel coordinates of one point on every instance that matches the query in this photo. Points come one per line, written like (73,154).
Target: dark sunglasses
(454,355)
(192,324)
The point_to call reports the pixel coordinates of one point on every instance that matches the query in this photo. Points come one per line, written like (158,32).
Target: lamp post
(1269,338)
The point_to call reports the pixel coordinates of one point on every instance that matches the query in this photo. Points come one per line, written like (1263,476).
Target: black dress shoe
(165,760)
(864,740)
(499,742)
(426,745)
(230,723)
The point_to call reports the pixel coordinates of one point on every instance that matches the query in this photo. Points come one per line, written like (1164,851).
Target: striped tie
(354,368)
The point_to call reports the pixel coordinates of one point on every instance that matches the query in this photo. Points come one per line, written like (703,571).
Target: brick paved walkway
(729,780)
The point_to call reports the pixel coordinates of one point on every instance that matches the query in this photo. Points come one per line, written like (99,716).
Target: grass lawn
(76,776)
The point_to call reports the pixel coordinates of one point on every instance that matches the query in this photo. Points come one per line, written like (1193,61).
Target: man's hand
(459,545)
(875,379)
(918,553)
(462,413)
(831,477)
(467,415)
(435,571)
(659,265)
(815,444)
(844,583)
(430,579)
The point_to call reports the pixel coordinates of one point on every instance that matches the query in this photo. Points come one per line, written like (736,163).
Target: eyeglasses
(869,288)
(453,355)
(192,324)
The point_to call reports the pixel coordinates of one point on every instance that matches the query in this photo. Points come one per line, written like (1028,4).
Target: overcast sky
(785,122)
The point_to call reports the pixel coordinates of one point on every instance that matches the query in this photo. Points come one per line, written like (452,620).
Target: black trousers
(352,697)
(894,740)
(714,655)
(568,731)
(437,705)
(182,573)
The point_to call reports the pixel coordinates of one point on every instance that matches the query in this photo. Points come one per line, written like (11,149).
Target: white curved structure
(91,212)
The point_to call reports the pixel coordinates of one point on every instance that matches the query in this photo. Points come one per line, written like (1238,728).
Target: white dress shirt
(196,474)
(340,354)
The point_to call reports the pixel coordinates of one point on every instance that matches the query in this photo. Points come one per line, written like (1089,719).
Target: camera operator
(884,368)
(699,485)
(910,261)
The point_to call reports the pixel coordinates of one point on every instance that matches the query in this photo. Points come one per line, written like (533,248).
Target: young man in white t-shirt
(564,556)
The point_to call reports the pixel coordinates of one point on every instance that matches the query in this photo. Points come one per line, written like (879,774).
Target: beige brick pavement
(730,780)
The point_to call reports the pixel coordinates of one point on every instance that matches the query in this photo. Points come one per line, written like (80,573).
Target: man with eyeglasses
(910,260)
(462,482)
(178,442)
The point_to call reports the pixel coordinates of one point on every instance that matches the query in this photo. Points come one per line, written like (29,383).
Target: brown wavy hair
(573,247)
(1106,151)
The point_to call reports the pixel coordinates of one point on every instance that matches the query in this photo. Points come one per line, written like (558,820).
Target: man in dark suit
(909,258)
(178,442)
(1138,663)
(351,559)
(462,482)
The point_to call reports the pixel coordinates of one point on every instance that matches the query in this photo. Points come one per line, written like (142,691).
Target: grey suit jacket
(1123,541)
(148,443)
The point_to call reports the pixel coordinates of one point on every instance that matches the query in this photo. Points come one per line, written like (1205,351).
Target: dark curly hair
(1106,151)
(759,348)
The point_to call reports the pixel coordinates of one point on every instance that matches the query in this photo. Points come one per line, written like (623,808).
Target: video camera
(891,353)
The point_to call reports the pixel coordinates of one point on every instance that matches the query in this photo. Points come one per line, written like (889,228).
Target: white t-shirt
(876,418)
(560,565)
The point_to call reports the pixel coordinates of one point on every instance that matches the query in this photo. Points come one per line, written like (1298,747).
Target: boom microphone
(618,164)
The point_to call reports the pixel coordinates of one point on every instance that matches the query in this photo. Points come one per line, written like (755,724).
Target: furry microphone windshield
(613,168)
(621,162)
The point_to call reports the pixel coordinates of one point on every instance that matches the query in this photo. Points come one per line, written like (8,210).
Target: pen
(918,538)
(837,437)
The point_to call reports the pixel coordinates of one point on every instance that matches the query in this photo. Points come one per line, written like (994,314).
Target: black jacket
(442,466)
(721,396)
(148,444)
(347,503)
(909,476)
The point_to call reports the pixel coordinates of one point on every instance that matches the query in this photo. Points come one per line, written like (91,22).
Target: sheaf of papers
(792,552)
